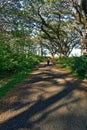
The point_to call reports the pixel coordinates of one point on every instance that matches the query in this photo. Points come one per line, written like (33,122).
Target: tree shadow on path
(23,120)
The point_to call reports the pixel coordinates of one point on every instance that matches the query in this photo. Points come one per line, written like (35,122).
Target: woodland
(30,27)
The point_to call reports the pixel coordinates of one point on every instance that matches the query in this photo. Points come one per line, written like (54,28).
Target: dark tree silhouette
(84,6)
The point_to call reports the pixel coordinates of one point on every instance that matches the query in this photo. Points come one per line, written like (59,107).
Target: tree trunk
(84,45)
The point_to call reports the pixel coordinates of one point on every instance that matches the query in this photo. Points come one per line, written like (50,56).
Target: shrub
(78,65)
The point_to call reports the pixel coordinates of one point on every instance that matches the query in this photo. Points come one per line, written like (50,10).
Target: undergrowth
(10,77)
(77,65)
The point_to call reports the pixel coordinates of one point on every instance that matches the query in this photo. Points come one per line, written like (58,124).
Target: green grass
(12,74)
(14,79)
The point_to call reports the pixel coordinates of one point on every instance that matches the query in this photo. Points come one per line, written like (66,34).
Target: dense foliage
(29,27)
(60,24)
(15,62)
(77,65)
(14,69)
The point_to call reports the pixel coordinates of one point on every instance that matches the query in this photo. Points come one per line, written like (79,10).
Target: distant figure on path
(48,61)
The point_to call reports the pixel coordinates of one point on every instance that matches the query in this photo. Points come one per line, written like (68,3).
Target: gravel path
(49,99)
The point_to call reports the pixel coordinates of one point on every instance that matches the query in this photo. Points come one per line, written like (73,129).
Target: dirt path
(49,99)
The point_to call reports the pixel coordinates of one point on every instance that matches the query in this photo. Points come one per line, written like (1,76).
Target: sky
(76,52)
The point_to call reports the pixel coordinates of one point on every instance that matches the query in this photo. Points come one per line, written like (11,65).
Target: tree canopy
(60,25)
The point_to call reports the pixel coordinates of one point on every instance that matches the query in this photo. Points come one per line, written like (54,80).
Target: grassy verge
(8,79)
(77,65)
(13,80)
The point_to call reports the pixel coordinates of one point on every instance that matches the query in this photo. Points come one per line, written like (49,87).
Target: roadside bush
(80,66)
(15,68)
(14,62)
(77,65)
(65,61)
